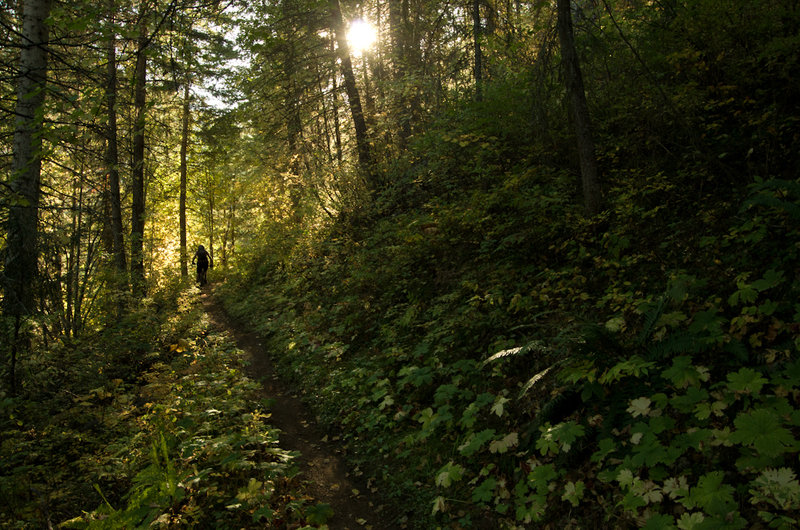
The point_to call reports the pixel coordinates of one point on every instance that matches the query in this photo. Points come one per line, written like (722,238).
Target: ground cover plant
(492,355)
(185,441)
(535,264)
(486,396)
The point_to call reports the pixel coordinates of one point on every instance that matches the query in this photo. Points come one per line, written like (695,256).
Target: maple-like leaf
(640,407)
(502,445)
(762,429)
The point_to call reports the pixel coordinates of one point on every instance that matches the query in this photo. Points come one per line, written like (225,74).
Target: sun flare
(361,36)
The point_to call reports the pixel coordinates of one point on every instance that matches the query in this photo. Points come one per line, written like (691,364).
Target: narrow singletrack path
(321,462)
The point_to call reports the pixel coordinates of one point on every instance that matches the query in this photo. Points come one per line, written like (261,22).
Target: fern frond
(535,379)
(535,345)
(791,186)
(676,343)
(650,320)
(762,199)
(503,353)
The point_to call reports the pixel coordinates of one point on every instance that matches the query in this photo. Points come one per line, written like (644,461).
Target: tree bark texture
(22,251)
(137,192)
(476,39)
(112,153)
(335,104)
(580,111)
(184,176)
(357,112)
(399,28)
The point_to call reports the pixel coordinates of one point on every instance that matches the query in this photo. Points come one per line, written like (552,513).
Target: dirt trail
(320,461)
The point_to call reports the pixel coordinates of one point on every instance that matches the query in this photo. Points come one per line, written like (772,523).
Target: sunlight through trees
(361,36)
(535,262)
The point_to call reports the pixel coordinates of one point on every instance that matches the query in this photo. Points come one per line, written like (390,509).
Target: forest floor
(321,460)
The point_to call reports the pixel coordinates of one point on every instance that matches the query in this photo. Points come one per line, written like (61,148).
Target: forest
(528,263)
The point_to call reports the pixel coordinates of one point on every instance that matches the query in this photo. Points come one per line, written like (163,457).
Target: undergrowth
(486,370)
(174,436)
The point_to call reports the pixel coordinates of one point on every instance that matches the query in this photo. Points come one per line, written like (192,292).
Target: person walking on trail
(203,259)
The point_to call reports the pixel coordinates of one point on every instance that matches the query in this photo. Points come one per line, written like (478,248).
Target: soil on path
(320,463)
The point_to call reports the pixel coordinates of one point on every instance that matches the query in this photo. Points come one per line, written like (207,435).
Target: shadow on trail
(320,461)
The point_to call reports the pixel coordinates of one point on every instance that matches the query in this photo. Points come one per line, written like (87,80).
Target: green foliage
(487,353)
(182,443)
(676,415)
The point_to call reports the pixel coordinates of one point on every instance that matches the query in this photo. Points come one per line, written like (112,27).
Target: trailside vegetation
(535,264)
(494,355)
(153,423)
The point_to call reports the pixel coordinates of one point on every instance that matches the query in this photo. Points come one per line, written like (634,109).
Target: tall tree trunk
(294,126)
(211,204)
(369,100)
(337,130)
(325,126)
(184,173)
(359,123)
(76,274)
(138,205)
(71,268)
(22,251)
(292,92)
(576,95)
(398,29)
(232,230)
(112,154)
(476,39)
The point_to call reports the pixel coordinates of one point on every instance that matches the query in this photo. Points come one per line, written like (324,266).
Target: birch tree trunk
(22,251)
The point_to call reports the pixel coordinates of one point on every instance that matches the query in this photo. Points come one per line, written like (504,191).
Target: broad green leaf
(683,373)
(475,442)
(615,324)
(502,445)
(485,491)
(444,393)
(778,487)
(635,366)
(772,278)
(746,381)
(676,487)
(625,478)
(499,403)
(712,495)
(659,521)
(708,323)
(649,452)
(606,446)
(573,492)
(448,474)
(762,429)
(541,476)
(558,437)
(687,402)
(690,521)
